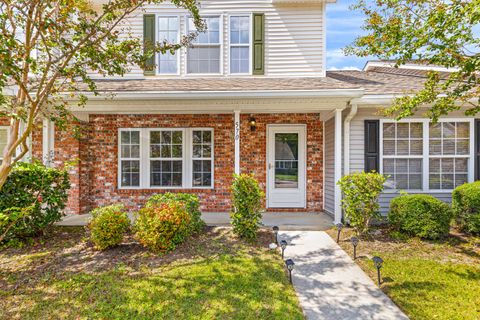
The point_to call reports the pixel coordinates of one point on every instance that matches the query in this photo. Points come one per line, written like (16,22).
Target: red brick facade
(94,174)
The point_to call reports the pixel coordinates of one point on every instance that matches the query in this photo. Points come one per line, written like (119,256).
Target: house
(253,95)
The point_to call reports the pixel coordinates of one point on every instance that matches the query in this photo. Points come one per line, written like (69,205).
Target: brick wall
(253,152)
(94,174)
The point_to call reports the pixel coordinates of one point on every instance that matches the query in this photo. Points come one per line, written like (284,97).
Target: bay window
(421,156)
(168,31)
(239,44)
(166,158)
(204,55)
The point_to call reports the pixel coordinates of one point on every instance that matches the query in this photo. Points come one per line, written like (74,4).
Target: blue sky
(343,26)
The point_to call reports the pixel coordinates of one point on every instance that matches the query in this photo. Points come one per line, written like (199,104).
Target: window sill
(142,189)
(398,191)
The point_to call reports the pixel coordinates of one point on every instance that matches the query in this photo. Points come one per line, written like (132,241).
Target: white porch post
(48,140)
(236,128)
(338,164)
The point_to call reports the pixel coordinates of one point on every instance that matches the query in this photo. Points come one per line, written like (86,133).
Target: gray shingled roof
(377,80)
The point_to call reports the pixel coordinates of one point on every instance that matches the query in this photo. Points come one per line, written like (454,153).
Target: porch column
(338,165)
(48,140)
(236,128)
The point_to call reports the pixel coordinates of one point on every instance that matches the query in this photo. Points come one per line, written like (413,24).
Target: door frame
(302,184)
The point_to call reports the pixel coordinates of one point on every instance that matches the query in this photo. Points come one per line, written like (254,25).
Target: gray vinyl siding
(357,142)
(329,166)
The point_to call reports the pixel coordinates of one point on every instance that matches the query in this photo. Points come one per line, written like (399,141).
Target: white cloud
(344,68)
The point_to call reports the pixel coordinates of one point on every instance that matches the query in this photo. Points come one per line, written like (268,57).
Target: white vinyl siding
(330,164)
(164,158)
(294,35)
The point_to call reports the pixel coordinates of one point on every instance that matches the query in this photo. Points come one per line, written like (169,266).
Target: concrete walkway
(285,220)
(330,285)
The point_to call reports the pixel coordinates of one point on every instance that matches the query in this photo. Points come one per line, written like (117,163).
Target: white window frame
(249,45)
(120,158)
(187,159)
(426,152)
(221,45)
(178,52)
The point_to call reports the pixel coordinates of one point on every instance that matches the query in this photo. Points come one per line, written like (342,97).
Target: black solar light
(354,241)
(290,265)
(275,230)
(283,244)
(377,261)
(339,228)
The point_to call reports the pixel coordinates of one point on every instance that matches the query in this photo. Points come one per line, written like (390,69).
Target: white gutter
(148,95)
(346,138)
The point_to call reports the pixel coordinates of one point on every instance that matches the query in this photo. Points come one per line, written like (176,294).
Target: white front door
(286,163)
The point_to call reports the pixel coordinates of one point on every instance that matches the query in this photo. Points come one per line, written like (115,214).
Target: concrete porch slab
(285,220)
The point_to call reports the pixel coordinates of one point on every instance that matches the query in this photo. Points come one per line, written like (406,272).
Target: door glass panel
(286,160)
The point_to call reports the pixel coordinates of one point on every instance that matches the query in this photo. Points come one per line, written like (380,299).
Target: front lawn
(211,276)
(427,280)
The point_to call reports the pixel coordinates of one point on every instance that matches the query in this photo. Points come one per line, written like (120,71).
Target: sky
(343,26)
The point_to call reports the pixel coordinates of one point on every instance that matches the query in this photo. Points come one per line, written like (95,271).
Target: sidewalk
(285,220)
(329,284)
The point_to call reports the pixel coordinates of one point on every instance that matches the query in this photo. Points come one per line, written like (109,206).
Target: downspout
(346,138)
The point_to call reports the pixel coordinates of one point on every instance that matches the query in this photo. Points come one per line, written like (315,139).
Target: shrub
(247,198)
(108,226)
(466,206)
(191,202)
(161,227)
(32,199)
(360,198)
(420,215)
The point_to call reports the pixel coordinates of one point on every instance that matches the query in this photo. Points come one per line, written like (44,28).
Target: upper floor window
(204,55)
(239,44)
(169,31)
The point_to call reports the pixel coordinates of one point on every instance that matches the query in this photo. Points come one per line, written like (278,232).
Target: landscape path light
(283,244)
(339,228)
(275,230)
(378,262)
(354,241)
(290,265)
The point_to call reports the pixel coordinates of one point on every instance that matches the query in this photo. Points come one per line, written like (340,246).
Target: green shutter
(258,44)
(149,42)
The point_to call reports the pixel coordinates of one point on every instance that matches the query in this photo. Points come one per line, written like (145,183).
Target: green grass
(215,277)
(427,280)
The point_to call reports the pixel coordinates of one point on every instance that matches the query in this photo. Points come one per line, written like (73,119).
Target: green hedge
(108,226)
(420,215)
(247,199)
(190,201)
(41,190)
(466,206)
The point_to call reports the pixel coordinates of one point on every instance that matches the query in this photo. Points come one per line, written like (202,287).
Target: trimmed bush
(108,226)
(360,198)
(32,199)
(247,199)
(420,215)
(191,202)
(161,227)
(466,207)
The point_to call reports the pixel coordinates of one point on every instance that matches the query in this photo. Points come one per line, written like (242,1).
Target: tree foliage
(435,32)
(48,48)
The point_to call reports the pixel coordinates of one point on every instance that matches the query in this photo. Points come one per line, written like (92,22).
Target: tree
(436,32)
(47,48)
